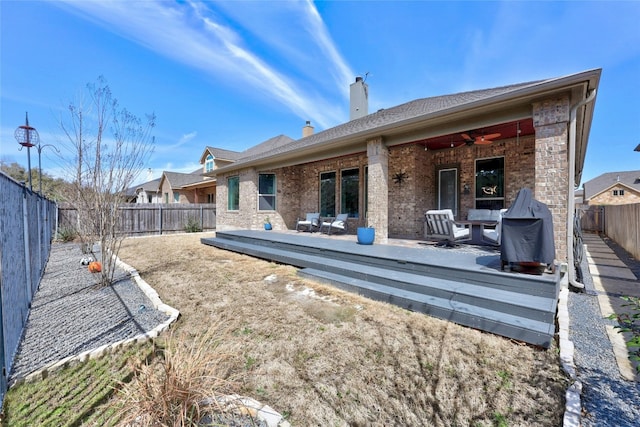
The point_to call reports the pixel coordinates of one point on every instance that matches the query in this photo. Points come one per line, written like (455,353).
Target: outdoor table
(475,232)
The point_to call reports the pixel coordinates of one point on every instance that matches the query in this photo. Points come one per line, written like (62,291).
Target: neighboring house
(579,197)
(148,192)
(613,188)
(174,187)
(468,150)
(213,158)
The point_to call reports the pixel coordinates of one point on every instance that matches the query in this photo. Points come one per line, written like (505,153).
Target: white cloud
(197,35)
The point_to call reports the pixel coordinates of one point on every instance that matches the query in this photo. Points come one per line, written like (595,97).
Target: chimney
(359,92)
(307,130)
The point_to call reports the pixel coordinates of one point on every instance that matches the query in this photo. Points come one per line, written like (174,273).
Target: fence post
(201,218)
(160,220)
(27,252)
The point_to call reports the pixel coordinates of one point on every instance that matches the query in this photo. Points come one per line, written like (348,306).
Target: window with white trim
(208,163)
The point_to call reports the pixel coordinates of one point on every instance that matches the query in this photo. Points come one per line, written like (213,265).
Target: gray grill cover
(527,231)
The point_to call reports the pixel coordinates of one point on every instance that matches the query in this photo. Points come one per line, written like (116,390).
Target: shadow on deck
(463,285)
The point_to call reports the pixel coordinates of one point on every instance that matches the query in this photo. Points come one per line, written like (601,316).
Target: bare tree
(110,148)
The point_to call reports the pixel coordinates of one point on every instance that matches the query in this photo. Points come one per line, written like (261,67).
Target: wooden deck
(464,284)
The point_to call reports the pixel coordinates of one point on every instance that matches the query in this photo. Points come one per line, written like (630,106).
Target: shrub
(67,234)
(193,226)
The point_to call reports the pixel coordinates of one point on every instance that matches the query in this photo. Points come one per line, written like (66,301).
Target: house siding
(607,198)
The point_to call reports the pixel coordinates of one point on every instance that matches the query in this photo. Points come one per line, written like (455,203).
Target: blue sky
(234,74)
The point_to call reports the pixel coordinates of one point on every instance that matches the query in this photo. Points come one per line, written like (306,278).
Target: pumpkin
(95,267)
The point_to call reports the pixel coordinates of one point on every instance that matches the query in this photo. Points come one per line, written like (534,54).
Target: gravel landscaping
(607,398)
(68,297)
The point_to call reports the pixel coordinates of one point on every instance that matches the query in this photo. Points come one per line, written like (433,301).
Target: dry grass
(181,385)
(322,356)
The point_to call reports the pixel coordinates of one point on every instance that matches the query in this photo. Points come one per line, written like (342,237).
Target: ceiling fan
(481,139)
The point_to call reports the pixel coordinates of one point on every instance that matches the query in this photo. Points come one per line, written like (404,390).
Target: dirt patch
(322,356)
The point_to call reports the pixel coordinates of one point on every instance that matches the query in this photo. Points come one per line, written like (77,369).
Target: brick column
(551,122)
(248,216)
(378,188)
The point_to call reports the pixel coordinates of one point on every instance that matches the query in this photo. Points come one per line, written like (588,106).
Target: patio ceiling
(506,130)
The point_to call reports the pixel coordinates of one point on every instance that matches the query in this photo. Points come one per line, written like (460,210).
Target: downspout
(572,204)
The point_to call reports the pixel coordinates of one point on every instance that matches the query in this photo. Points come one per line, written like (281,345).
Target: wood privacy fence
(622,225)
(592,218)
(153,218)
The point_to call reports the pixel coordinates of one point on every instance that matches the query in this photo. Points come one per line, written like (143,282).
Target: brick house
(613,188)
(387,168)
(176,187)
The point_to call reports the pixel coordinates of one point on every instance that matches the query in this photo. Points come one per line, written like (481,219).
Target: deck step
(397,259)
(473,297)
(533,307)
(497,322)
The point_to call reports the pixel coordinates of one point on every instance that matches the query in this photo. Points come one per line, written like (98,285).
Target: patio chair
(442,227)
(493,236)
(310,223)
(338,223)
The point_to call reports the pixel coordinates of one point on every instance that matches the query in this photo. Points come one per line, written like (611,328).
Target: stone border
(573,407)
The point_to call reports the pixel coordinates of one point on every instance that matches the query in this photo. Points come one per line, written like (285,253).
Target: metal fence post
(27,252)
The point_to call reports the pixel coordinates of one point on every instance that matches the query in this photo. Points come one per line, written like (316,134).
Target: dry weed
(179,385)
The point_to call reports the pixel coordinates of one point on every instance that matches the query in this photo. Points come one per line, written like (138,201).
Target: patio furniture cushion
(493,235)
(310,223)
(338,223)
(440,225)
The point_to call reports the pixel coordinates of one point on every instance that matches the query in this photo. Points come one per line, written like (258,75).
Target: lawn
(321,356)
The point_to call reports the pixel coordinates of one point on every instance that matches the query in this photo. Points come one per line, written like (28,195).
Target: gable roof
(178,180)
(599,184)
(264,147)
(153,185)
(220,153)
(422,115)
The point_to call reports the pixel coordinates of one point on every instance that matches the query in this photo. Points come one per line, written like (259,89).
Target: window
(621,192)
(615,192)
(490,183)
(166,197)
(233,195)
(350,192)
(267,192)
(328,194)
(618,192)
(176,197)
(211,198)
(208,163)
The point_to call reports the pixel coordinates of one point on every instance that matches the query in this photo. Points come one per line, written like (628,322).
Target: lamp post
(40,147)
(27,136)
